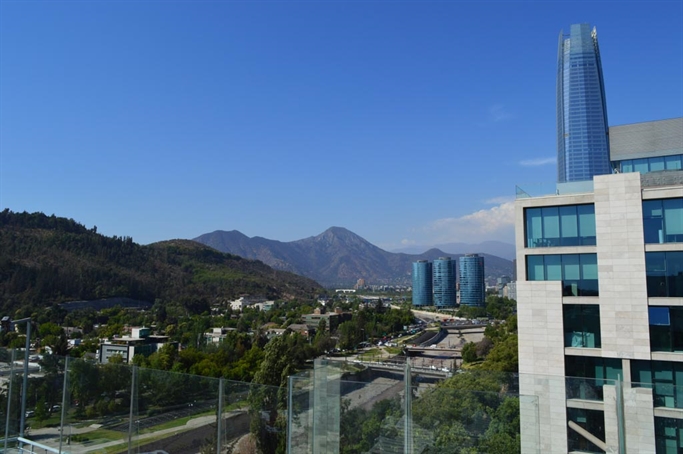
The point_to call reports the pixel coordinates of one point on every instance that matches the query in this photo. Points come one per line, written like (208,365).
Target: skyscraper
(444,282)
(472,285)
(582,130)
(422,283)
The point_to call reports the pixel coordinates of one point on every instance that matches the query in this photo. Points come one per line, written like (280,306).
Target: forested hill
(47,259)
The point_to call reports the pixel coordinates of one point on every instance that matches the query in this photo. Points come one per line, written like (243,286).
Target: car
(30,413)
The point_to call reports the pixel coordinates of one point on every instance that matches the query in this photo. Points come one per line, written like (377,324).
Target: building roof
(647,139)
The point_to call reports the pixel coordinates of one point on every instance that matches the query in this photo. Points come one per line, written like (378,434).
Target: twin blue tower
(434,283)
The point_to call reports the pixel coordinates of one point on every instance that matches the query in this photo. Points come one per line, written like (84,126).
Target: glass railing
(78,406)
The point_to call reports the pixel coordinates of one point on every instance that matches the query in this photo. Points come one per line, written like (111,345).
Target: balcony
(76,406)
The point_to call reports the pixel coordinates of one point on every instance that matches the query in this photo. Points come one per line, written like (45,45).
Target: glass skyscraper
(444,282)
(472,285)
(422,283)
(582,130)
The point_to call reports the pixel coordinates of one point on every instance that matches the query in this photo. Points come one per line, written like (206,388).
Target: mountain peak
(337,257)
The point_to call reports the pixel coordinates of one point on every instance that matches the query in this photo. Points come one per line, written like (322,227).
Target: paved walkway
(49,436)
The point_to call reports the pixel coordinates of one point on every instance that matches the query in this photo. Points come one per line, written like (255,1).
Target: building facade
(472,284)
(582,128)
(422,283)
(444,282)
(600,306)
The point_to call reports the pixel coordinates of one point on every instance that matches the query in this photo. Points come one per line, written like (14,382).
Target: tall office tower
(472,285)
(582,131)
(444,282)
(599,301)
(422,283)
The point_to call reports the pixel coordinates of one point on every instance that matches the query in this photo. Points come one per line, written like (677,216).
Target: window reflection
(664,273)
(578,272)
(570,225)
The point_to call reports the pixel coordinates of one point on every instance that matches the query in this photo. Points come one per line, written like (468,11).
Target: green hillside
(47,259)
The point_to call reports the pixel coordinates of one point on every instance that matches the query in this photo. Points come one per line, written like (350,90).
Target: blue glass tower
(582,130)
(472,285)
(422,283)
(444,282)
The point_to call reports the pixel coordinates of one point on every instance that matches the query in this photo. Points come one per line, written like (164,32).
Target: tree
(500,307)
(469,352)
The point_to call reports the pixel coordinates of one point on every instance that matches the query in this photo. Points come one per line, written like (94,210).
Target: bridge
(400,368)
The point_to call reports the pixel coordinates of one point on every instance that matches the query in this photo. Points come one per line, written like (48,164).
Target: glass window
(586,215)
(664,377)
(627,166)
(551,226)
(655,271)
(553,267)
(581,324)
(673,162)
(591,420)
(656,164)
(535,268)
(653,221)
(673,220)
(534,227)
(669,435)
(586,376)
(578,272)
(641,165)
(570,225)
(660,329)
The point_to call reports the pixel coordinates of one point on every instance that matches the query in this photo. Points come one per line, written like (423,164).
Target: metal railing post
(408,418)
(290,412)
(9,398)
(621,429)
(24,388)
(219,420)
(131,423)
(64,402)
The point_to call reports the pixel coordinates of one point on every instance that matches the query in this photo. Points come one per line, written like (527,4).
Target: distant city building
(472,285)
(140,342)
(217,335)
(360,284)
(422,283)
(444,282)
(582,130)
(332,319)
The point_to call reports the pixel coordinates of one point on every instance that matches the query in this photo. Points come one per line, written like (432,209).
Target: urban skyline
(314,114)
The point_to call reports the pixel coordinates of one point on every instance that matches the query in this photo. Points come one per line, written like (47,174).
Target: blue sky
(405,122)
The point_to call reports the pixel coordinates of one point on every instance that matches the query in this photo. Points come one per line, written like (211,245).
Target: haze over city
(409,123)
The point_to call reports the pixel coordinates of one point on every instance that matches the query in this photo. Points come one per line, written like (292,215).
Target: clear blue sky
(405,122)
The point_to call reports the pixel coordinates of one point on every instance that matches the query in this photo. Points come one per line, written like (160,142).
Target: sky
(406,122)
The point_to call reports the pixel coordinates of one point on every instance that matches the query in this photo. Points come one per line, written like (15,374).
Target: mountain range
(337,257)
(497,248)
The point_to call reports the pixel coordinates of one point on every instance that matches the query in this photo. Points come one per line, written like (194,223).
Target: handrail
(37,445)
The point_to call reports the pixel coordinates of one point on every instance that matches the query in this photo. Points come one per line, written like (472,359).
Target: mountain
(47,259)
(336,257)
(497,248)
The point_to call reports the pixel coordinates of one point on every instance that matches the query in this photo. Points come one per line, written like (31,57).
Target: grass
(178,422)
(393,350)
(101,435)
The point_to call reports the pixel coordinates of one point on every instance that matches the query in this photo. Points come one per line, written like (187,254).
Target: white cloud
(407,242)
(499,200)
(499,113)
(537,162)
(495,223)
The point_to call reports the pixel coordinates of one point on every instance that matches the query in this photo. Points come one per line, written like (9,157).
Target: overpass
(400,368)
